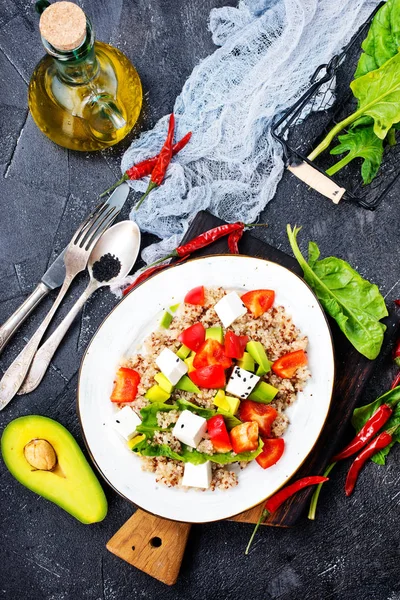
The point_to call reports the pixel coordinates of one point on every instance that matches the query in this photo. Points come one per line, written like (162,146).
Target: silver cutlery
(51,280)
(75,259)
(122,241)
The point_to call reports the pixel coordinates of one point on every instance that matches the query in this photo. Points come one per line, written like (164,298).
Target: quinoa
(278,335)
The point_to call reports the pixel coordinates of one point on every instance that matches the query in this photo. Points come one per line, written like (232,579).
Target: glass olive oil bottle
(84,95)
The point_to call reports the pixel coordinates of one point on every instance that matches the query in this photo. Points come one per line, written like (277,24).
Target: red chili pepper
(396,381)
(397,302)
(163,160)
(275,501)
(148,273)
(371,427)
(378,443)
(233,241)
(145,167)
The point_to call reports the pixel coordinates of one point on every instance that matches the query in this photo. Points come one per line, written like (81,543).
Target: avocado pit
(40,455)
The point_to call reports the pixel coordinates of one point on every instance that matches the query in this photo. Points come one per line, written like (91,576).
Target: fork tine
(88,222)
(101,228)
(94,225)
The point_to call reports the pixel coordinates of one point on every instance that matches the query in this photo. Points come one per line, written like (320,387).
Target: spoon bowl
(122,240)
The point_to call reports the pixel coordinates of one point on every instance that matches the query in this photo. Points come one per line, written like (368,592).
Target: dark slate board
(352,373)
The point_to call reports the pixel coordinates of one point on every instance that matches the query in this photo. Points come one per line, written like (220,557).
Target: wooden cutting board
(156,546)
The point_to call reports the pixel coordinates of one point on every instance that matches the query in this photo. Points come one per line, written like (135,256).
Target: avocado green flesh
(257,352)
(72,485)
(246,362)
(215,333)
(186,385)
(166,320)
(263,393)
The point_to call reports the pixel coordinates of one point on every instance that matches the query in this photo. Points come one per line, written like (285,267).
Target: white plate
(126,326)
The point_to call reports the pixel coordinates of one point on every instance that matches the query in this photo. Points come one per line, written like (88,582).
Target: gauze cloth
(267,52)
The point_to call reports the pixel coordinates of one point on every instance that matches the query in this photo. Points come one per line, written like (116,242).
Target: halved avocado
(57,468)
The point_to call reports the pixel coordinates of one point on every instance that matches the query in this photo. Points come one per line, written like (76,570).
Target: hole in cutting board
(155,542)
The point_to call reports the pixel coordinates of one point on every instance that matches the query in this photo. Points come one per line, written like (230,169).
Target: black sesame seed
(251,376)
(116,420)
(243,396)
(178,359)
(182,426)
(249,388)
(106,268)
(244,379)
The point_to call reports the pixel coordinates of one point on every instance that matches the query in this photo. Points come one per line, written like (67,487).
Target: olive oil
(85,98)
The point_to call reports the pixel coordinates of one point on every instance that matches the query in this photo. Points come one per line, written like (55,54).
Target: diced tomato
(287,365)
(263,414)
(212,377)
(218,433)
(244,437)
(193,336)
(235,344)
(258,301)
(272,451)
(211,352)
(125,385)
(195,296)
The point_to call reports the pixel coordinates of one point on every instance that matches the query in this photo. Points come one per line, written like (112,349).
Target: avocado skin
(72,485)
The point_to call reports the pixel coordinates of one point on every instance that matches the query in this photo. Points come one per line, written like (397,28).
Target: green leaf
(383,39)
(378,93)
(359,143)
(193,456)
(354,303)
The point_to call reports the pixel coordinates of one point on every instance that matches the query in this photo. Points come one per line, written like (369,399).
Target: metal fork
(75,259)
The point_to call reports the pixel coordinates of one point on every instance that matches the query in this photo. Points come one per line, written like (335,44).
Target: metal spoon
(123,242)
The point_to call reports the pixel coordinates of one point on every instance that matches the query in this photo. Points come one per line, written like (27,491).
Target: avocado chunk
(174,308)
(186,385)
(263,392)
(156,394)
(257,352)
(226,403)
(166,319)
(164,382)
(247,362)
(183,352)
(189,362)
(215,333)
(42,455)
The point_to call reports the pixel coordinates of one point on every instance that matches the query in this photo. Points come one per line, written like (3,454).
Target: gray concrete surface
(352,550)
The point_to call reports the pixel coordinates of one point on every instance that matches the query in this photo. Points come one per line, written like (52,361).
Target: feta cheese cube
(189,428)
(171,365)
(230,308)
(125,422)
(197,475)
(241,383)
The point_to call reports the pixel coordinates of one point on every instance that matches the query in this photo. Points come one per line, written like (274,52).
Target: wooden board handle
(151,544)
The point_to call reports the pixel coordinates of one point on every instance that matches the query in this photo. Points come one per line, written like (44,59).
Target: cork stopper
(63,25)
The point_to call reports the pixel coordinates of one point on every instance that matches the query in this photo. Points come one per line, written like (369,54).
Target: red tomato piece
(235,344)
(211,352)
(244,437)
(258,301)
(218,433)
(263,414)
(125,385)
(193,336)
(195,296)
(212,377)
(271,453)
(287,365)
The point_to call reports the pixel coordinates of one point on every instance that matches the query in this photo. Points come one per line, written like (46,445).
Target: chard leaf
(383,39)
(378,94)
(360,142)
(354,303)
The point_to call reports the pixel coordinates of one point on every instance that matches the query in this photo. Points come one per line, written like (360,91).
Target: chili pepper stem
(110,189)
(315,496)
(263,516)
(150,187)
